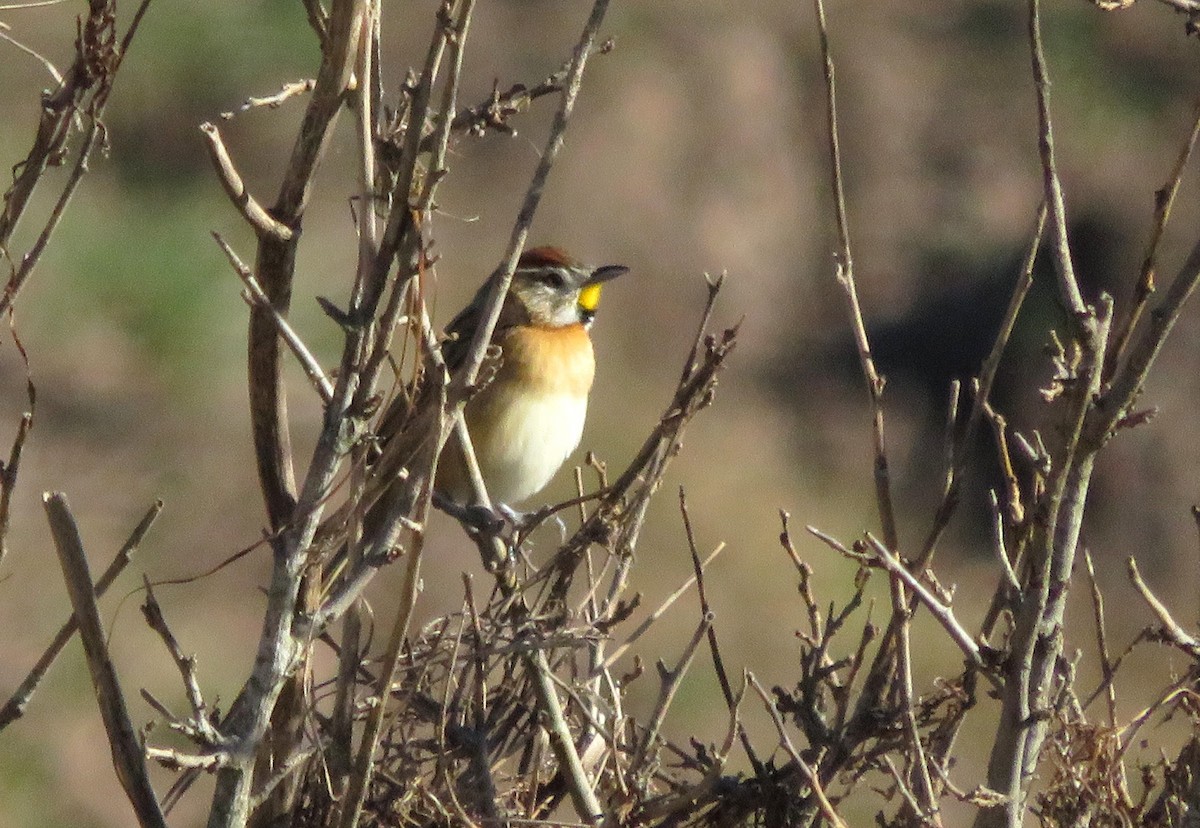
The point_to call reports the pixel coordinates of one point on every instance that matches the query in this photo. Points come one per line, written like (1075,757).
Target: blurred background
(698,146)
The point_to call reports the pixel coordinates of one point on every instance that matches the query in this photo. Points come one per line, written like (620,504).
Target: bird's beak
(589,296)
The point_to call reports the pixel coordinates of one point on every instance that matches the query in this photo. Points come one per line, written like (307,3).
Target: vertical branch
(845,278)
(8,475)
(122,738)
(360,777)
(280,649)
(452,30)
(714,650)
(1106,664)
(276,262)
(1068,285)
(884,664)
(368,101)
(1037,635)
(918,764)
(1164,200)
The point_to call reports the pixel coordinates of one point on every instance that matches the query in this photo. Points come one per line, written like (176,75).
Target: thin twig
(50,68)
(1164,200)
(1127,383)
(256,298)
(272,101)
(845,277)
(999,547)
(686,799)
(926,806)
(1068,285)
(981,394)
(670,680)
(14,708)
(658,613)
(715,651)
(98,59)
(1106,665)
(254,213)
(8,476)
(942,613)
(174,760)
(201,721)
(496,110)
(810,774)
(363,768)
(909,797)
(1170,627)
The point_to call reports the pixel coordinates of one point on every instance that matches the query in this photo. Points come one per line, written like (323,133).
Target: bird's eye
(552,279)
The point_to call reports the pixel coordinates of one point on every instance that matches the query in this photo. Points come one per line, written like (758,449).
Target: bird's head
(555,290)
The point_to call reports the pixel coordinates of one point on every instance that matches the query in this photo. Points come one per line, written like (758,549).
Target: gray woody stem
(279,648)
(1037,636)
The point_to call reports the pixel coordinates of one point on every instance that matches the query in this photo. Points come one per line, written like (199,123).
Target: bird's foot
(526,522)
(474,517)
(501,520)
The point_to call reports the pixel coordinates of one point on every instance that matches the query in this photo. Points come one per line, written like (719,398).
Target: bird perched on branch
(529,417)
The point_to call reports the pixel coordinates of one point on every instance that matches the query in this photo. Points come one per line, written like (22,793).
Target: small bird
(528,419)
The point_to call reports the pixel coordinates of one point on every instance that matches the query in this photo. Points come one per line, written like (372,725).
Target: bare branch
(14,708)
(943,613)
(583,797)
(706,612)
(669,680)
(1164,200)
(658,613)
(85,89)
(255,215)
(8,477)
(814,781)
(981,391)
(256,298)
(1170,627)
(1068,285)
(1106,665)
(273,101)
(201,719)
(280,651)
(122,738)
(845,278)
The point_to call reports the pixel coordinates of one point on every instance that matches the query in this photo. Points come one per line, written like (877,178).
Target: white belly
(529,443)
(520,441)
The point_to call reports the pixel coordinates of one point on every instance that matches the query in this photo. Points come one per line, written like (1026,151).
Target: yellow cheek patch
(589,298)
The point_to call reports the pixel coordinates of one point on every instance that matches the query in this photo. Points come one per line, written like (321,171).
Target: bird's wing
(455,346)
